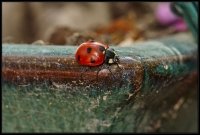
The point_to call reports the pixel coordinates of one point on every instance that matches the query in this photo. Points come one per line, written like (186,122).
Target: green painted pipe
(145,66)
(189,12)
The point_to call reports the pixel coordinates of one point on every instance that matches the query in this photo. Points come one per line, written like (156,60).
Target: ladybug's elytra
(92,53)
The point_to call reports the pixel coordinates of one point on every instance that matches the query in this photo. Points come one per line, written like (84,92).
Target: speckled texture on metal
(146,66)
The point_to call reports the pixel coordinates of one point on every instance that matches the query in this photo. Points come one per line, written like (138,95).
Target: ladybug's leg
(116,61)
(113,76)
(98,74)
(118,66)
(99,69)
(105,67)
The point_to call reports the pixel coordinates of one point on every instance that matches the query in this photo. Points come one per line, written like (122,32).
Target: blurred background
(71,23)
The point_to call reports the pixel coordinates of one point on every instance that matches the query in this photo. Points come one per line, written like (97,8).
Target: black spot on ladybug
(89,50)
(101,48)
(92,60)
(79,57)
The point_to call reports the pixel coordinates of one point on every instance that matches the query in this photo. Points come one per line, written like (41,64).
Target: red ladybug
(93,53)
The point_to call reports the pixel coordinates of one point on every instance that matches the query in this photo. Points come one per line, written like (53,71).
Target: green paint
(190,14)
(174,58)
(49,109)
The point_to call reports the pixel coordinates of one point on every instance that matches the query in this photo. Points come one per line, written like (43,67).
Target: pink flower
(166,17)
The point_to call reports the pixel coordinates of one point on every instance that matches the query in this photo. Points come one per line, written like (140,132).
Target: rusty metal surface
(62,70)
(147,66)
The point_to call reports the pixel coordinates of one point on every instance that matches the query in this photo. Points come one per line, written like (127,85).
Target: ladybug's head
(111,57)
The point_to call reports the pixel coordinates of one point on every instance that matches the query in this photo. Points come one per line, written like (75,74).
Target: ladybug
(92,53)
